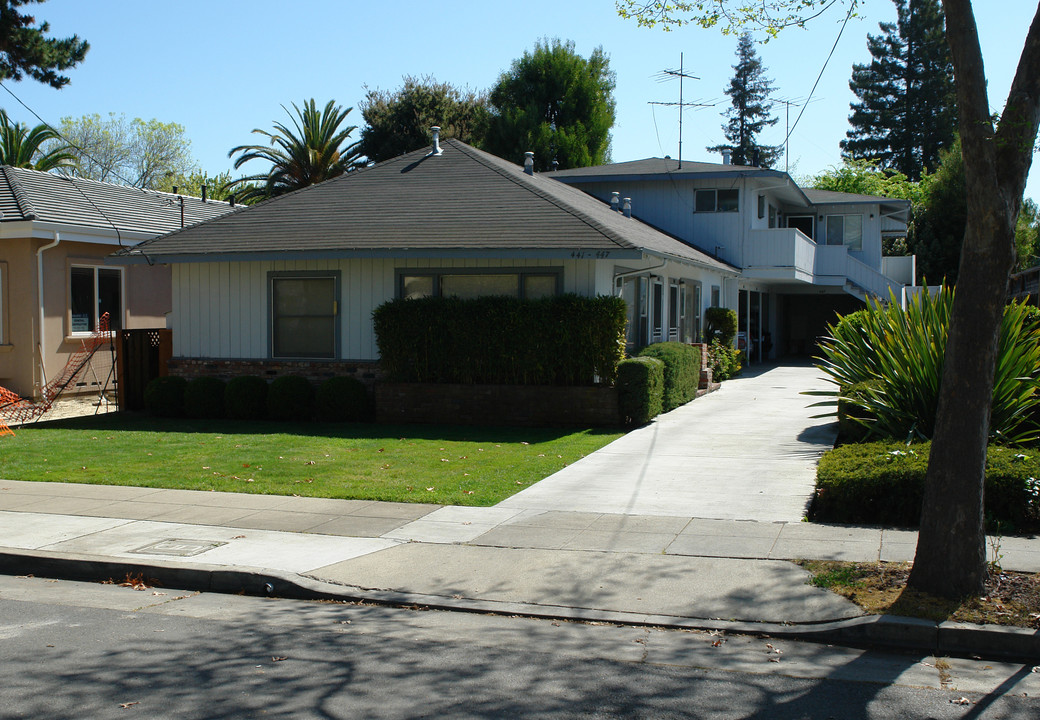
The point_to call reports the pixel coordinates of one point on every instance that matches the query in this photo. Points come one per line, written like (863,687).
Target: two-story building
(803,254)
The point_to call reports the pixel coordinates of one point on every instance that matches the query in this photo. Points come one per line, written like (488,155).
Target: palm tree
(310,151)
(23,147)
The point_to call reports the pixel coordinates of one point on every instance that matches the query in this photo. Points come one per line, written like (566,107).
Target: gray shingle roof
(462,200)
(659,166)
(51,198)
(824,197)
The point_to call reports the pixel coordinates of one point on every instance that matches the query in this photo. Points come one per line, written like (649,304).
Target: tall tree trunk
(951,547)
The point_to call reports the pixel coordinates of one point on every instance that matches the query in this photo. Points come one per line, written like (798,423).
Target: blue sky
(223,67)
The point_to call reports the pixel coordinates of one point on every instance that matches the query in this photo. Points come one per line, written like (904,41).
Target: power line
(845,22)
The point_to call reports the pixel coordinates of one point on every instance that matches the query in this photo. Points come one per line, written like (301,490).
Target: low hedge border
(640,387)
(882,483)
(682,371)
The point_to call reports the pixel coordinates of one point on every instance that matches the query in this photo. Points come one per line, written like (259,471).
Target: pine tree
(749,114)
(906,112)
(556,104)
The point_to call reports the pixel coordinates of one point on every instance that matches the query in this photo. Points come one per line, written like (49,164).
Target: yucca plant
(901,353)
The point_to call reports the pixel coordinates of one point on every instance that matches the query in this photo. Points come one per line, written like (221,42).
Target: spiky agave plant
(894,358)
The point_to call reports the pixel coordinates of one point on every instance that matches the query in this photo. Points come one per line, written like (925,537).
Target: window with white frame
(845,230)
(690,312)
(3,290)
(674,310)
(529,284)
(304,309)
(726,200)
(94,291)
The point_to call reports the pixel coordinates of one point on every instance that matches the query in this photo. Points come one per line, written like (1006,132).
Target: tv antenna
(681,74)
(788,102)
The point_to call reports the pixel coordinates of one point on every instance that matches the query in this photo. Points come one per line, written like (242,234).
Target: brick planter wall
(316,371)
(523,405)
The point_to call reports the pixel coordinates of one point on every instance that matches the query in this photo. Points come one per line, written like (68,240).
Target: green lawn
(400,463)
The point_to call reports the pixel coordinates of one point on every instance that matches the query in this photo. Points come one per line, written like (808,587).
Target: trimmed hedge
(204,398)
(245,398)
(682,371)
(164,396)
(720,324)
(640,387)
(343,399)
(290,397)
(882,483)
(560,340)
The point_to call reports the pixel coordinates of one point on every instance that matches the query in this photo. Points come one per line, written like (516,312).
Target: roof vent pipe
(231,199)
(436,130)
(615,201)
(626,207)
(727,156)
(555,165)
(529,162)
(203,193)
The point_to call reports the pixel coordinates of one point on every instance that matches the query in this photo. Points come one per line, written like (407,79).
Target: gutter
(39,288)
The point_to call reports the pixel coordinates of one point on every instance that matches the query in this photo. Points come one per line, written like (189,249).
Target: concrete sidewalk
(660,570)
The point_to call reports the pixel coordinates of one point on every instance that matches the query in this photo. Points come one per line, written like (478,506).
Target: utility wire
(845,22)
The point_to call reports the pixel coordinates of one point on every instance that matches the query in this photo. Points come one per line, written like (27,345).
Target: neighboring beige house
(55,233)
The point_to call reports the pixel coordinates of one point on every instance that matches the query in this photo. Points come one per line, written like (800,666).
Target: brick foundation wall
(523,405)
(317,371)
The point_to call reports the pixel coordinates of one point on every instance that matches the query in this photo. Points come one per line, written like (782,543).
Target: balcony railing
(787,254)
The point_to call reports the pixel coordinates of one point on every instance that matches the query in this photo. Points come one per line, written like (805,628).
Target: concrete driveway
(745,452)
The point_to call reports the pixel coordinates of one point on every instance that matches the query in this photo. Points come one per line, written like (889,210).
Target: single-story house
(55,233)
(289,285)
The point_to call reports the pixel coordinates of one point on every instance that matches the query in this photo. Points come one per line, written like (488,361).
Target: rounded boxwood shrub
(164,396)
(682,371)
(290,397)
(245,398)
(720,324)
(204,398)
(640,387)
(343,399)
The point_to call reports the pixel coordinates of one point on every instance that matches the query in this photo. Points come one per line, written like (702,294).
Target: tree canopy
(131,152)
(398,122)
(749,112)
(25,48)
(193,182)
(22,146)
(906,108)
(556,104)
(311,150)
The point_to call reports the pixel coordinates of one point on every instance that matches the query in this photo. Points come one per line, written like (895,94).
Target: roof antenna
(682,75)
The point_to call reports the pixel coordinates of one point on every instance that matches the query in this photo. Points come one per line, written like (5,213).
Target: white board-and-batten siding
(221,309)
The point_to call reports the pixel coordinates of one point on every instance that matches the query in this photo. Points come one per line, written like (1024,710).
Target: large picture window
(303,315)
(527,284)
(845,230)
(93,291)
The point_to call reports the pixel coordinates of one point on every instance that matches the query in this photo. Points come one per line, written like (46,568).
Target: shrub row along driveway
(746,452)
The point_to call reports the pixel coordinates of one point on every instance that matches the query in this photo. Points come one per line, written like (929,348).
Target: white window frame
(3,289)
(844,231)
(715,199)
(96,317)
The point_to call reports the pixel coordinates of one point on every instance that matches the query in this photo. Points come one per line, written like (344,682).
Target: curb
(887,632)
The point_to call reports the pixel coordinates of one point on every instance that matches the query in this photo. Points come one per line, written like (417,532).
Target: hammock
(18,410)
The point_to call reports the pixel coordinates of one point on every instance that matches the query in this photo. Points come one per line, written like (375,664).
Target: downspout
(39,287)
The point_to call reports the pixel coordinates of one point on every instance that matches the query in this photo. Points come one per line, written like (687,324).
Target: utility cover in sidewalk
(180,548)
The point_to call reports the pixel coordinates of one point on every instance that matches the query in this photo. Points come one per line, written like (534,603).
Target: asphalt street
(105,651)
